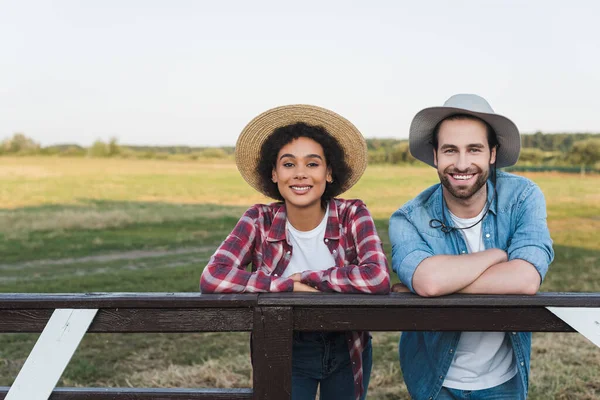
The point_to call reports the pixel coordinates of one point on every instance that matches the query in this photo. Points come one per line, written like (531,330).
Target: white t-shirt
(309,249)
(482,359)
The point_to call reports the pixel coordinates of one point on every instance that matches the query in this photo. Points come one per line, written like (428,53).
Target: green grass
(79,225)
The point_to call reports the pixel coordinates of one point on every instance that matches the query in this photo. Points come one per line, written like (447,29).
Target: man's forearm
(445,274)
(512,277)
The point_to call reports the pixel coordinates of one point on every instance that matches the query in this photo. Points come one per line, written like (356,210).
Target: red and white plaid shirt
(260,237)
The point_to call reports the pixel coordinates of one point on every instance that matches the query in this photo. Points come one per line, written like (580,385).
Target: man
(478,231)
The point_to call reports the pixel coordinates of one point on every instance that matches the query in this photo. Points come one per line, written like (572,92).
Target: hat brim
(423,124)
(254,135)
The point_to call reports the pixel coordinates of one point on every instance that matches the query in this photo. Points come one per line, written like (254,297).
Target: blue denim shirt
(516,223)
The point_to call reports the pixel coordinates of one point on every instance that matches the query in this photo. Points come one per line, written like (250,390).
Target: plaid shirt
(260,237)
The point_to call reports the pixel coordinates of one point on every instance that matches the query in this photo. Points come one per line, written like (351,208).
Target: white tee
(482,359)
(309,249)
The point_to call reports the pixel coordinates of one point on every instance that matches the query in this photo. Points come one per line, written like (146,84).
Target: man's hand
(297,277)
(301,287)
(400,288)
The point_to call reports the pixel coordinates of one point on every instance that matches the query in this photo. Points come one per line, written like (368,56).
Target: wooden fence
(272,318)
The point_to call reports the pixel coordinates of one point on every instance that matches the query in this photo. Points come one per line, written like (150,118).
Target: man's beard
(466,192)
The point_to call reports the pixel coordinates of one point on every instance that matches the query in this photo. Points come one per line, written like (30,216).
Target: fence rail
(272,318)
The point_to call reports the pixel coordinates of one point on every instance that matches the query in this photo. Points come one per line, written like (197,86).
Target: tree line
(538,149)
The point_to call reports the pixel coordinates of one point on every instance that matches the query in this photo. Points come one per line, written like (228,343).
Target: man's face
(463,157)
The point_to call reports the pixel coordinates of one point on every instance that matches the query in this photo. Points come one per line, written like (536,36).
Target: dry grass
(21,222)
(564,366)
(233,372)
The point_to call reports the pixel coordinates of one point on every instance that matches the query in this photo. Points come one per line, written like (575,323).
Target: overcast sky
(195,72)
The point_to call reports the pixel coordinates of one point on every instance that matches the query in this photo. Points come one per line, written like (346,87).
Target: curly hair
(333,151)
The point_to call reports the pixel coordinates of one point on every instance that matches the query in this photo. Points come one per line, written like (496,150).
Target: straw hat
(250,141)
(423,124)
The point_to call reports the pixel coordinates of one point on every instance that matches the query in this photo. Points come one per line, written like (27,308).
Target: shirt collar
(491,198)
(278,231)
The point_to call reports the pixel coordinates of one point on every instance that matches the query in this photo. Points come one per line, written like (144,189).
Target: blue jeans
(509,390)
(323,358)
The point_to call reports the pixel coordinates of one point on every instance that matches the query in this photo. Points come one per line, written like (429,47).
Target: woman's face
(301,173)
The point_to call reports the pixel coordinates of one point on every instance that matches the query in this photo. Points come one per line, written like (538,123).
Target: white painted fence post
(585,320)
(51,354)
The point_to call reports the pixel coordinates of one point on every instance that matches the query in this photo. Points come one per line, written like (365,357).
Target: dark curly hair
(334,157)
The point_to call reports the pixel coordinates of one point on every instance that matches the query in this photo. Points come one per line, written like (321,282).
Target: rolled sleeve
(531,240)
(281,284)
(408,266)
(533,255)
(408,248)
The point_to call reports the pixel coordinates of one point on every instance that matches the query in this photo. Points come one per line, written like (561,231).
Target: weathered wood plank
(124,300)
(139,320)
(144,394)
(272,353)
(412,300)
(22,321)
(197,300)
(531,319)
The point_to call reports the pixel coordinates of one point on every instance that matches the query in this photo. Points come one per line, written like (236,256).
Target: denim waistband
(319,336)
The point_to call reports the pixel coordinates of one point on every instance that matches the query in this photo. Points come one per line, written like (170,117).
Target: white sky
(195,72)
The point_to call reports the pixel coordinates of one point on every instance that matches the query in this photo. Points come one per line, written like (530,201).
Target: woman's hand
(301,287)
(400,288)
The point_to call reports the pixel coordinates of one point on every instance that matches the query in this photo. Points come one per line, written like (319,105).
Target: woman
(309,241)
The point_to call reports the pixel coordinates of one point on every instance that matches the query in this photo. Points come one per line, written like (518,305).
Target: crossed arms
(517,270)
(486,272)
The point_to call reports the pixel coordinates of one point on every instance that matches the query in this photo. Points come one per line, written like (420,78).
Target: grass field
(76,225)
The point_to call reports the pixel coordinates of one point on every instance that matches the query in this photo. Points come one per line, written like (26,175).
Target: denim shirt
(516,223)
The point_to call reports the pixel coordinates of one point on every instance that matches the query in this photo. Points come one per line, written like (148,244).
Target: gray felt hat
(423,124)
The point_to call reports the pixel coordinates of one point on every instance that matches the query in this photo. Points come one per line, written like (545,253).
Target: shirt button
(335,251)
(451,351)
(514,333)
(487,235)
(289,252)
(441,377)
(463,252)
(326,240)
(274,274)
(522,363)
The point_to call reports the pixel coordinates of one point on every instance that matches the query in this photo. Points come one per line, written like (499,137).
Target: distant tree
(399,153)
(98,149)
(113,148)
(215,152)
(377,156)
(585,153)
(562,142)
(533,156)
(20,144)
